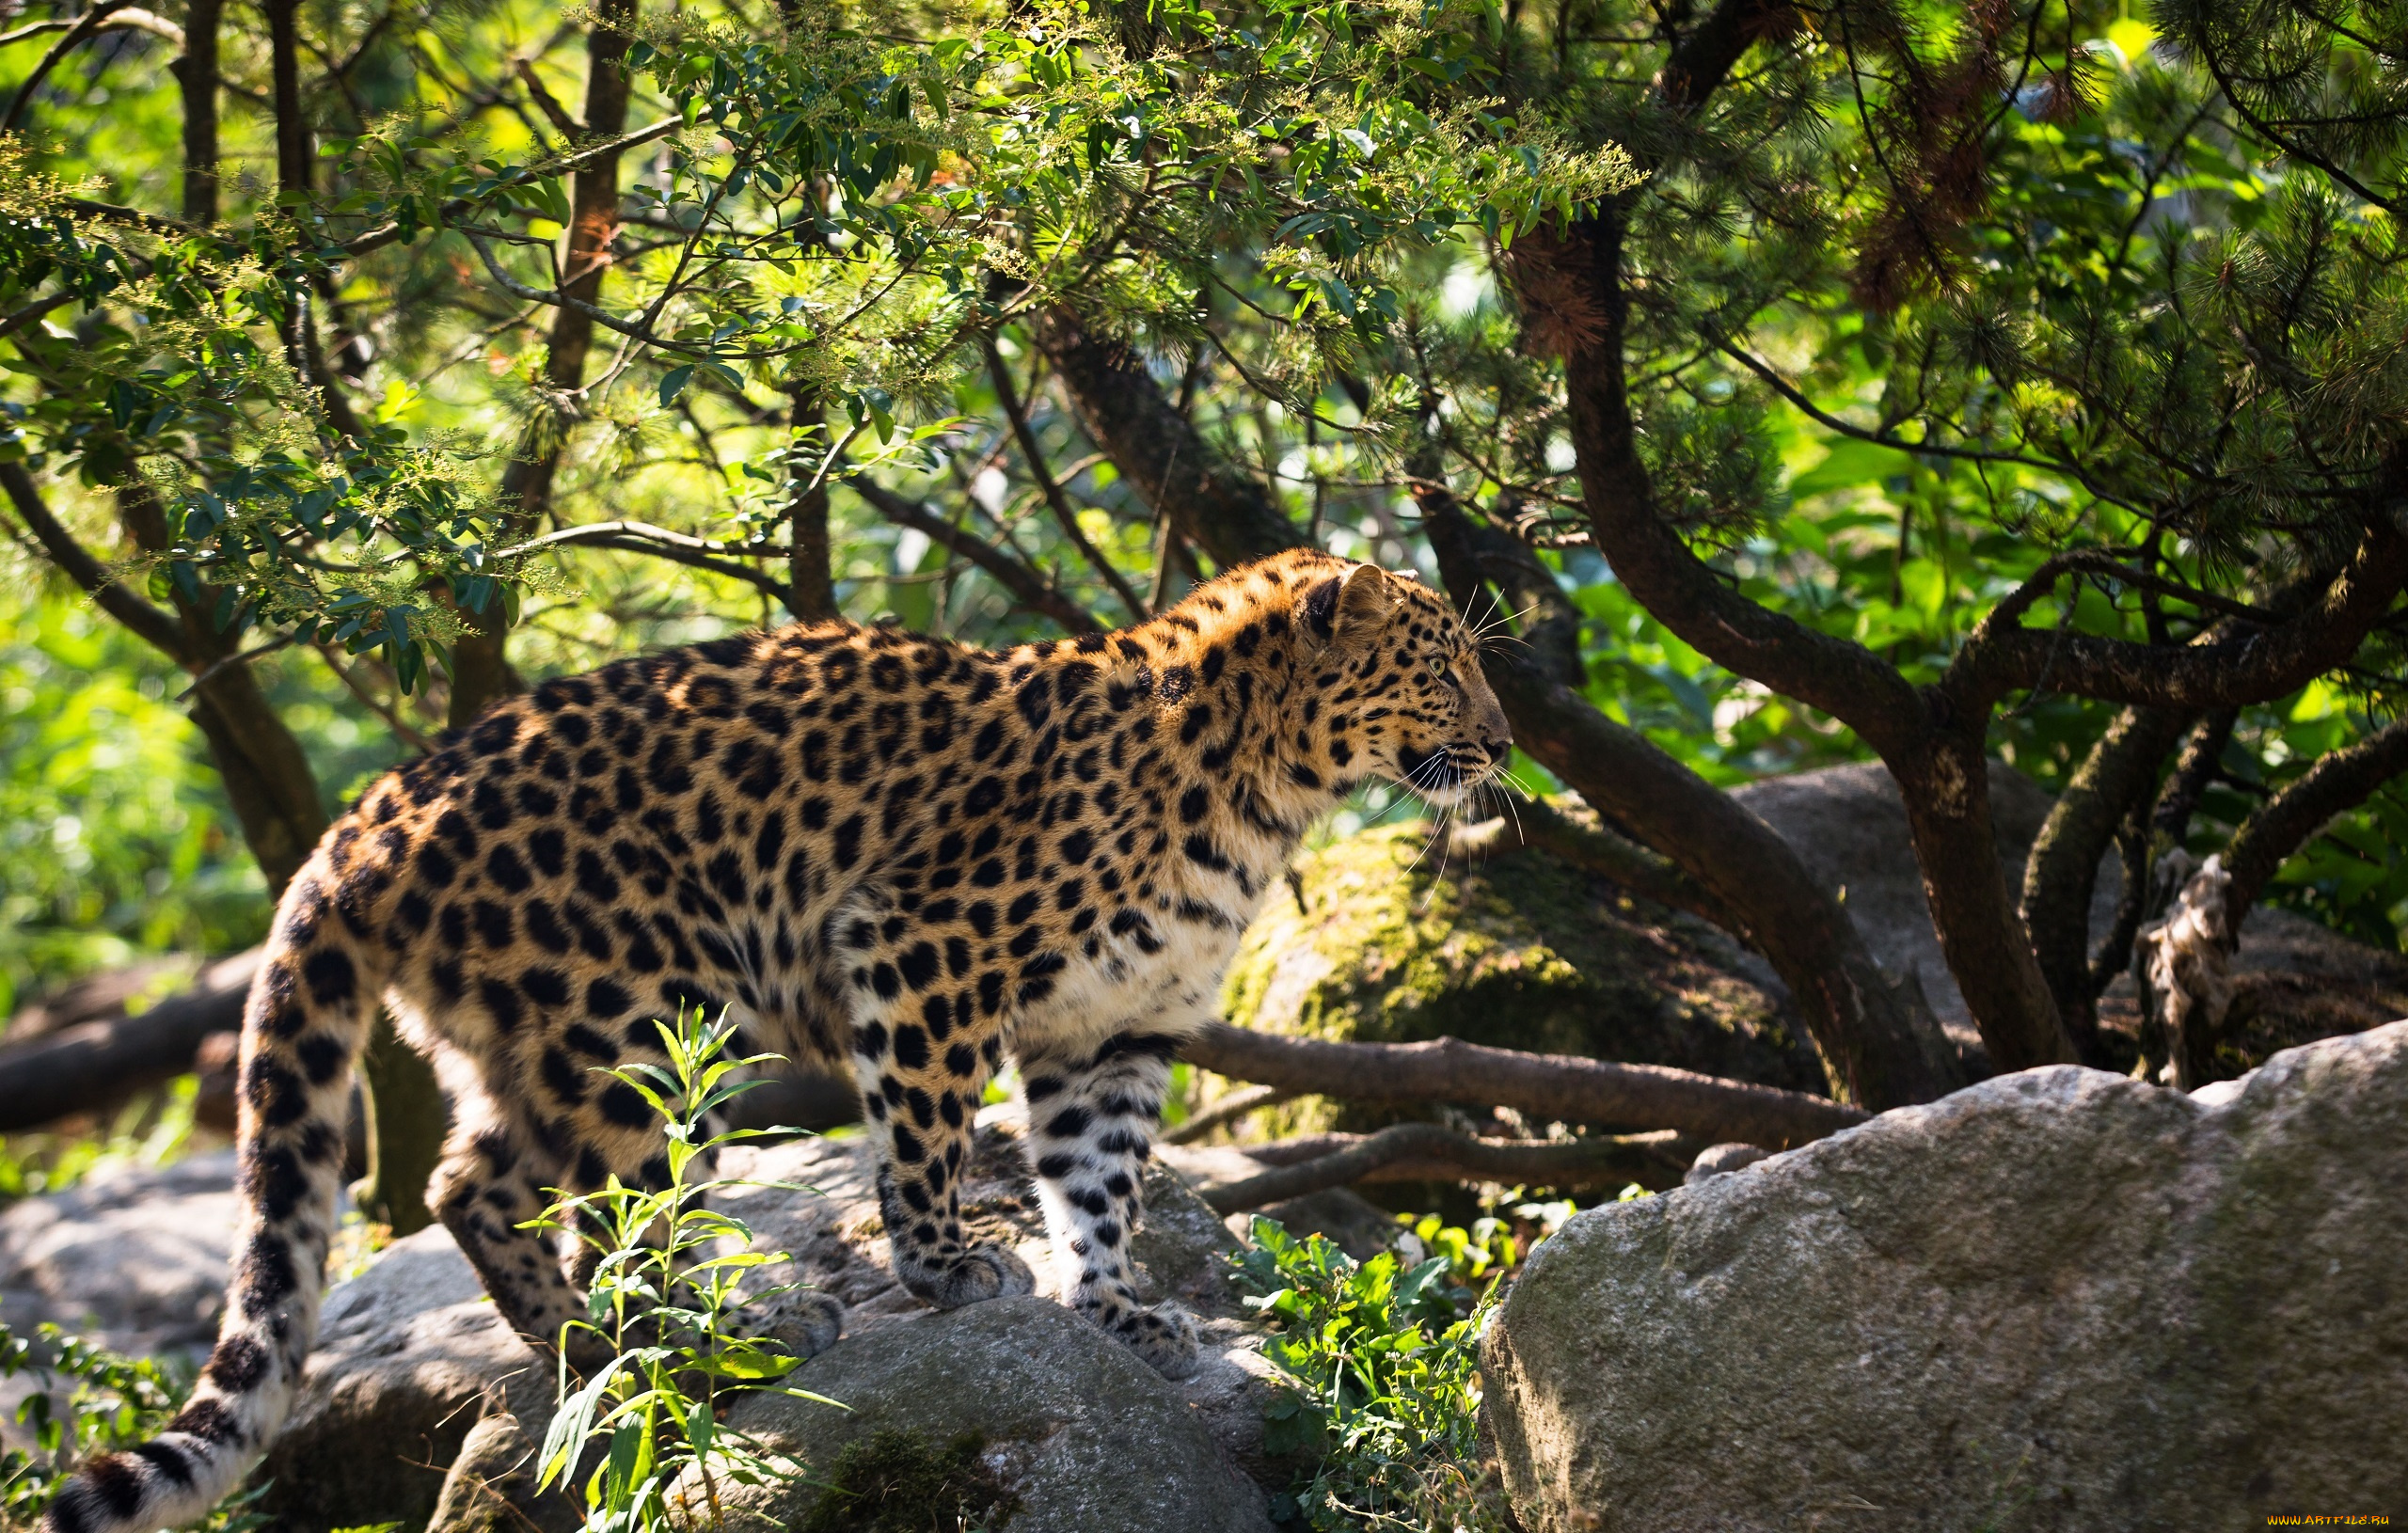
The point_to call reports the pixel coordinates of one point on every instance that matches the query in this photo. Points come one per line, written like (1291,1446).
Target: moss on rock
(1374,943)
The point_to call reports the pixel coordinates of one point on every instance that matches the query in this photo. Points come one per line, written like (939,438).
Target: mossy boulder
(1375,940)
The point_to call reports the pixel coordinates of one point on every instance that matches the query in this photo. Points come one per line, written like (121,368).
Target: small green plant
(89,1400)
(645,1430)
(1381,1389)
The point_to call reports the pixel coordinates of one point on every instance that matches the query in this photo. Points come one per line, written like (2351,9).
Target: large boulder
(413,1359)
(1379,938)
(2057,1299)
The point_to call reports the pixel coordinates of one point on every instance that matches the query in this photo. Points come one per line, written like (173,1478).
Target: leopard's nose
(1499,751)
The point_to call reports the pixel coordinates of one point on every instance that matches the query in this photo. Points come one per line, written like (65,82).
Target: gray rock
(135,1259)
(1720,1159)
(2058,1300)
(1066,1422)
(414,1370)
(411,1355)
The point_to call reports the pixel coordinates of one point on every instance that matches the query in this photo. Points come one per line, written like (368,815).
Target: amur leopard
(885,853)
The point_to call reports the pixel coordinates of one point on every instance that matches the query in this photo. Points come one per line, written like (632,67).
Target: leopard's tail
(303,1025)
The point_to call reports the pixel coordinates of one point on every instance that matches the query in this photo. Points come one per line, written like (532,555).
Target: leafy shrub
(1381,1389)
(644,1430)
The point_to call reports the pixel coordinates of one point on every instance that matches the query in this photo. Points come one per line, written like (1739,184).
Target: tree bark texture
(480,669)
(93,1065)
(2340,780)
(1428,1153)
(197,78)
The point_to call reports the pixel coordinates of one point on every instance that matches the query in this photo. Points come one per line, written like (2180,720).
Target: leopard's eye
(1439,666)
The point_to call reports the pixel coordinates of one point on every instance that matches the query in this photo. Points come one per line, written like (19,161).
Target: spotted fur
(893,853)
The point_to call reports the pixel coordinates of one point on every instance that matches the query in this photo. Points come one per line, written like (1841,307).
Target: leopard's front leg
(922,1062)
(1091,1118)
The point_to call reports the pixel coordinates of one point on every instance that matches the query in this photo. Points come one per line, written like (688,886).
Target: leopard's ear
(1351,606)
(1366,597)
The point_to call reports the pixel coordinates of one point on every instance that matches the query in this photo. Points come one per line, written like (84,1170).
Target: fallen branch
(95,1065)
(1545,1086)
(1429,1152)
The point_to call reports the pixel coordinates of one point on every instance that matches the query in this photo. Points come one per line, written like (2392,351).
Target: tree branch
(2222,670)
(2340,780)
(1547,1086)
(84,26)
(2061,869)
(1024,584)
(1428,1153)
(1212,503)
(158,628)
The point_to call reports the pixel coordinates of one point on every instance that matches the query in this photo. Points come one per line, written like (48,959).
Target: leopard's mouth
(1445,773)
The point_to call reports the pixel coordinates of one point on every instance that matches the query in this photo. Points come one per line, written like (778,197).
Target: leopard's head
(1400,686)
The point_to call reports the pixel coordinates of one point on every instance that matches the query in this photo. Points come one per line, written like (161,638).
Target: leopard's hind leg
(495,1178)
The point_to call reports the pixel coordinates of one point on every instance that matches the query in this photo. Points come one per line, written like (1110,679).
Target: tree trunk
(1946,787)
(1211,502)
(481,671)
(197,76)
(811,585)
(2060,875)
(409,1120)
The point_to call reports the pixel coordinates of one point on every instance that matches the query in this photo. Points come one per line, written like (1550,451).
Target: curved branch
(2340,780)
(2221,670)
(660,543)
(384,234)
(1549,1086)
(1024,584)
(2061,869)
(1426,1152)
(127,19)
(85,25)
(155,626)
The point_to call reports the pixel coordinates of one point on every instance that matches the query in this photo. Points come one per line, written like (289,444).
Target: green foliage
(88,1400)
(663,1296)
(113,839)
(1383,1386)
(894,1481)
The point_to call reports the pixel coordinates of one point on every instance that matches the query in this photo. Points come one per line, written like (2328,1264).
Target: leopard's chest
(1159,973)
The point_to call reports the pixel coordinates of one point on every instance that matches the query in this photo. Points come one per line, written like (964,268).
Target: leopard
(901,857)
